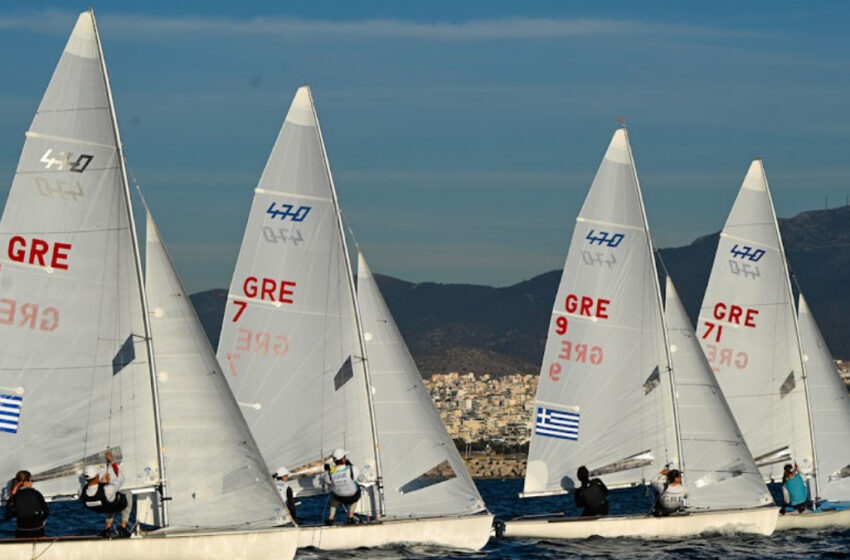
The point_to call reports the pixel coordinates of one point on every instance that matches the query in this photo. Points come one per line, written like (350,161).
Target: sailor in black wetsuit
(592,495)
(28,506)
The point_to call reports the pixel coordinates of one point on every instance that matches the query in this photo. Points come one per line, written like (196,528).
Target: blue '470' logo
(747,252)
(602,238)
(288,211)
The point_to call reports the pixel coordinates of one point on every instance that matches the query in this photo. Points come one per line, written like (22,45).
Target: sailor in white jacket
(342,480)
(102,494)
(670,492)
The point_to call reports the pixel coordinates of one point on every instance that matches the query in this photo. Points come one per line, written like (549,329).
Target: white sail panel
(289,342)
(830,411)
(216,474)
(72,337)
(603,399)
(748,332)
(719,471)
(415,446)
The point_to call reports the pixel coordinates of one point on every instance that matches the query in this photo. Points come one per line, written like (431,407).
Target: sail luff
(353,292)
(138,268)
(799,341)
(660,308)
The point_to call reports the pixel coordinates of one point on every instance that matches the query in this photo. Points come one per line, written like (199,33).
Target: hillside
(462,327)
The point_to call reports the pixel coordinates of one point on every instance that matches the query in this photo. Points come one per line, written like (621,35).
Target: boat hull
(760,521)
(265,544)
(468,532)
(814,520)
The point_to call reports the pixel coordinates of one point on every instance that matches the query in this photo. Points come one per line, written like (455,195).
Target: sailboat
(78,350)
(317,365)
(770,359)
(624,388)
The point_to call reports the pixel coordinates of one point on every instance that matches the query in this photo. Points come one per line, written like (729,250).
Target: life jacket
(594,496)
(28,506)
(98,503)
(797,491)
(342,481)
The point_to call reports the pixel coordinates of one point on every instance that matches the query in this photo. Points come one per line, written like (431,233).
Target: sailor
(341,480)
(795,495)
(592,495)
(670,492)
(28,505)
(101,494)
(281,481)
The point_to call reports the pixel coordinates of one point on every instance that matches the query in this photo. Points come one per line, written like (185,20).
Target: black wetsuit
(593,497)
(29,507)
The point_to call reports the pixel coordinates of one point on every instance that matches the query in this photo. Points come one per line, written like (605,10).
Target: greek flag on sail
(556,423)
(10,413)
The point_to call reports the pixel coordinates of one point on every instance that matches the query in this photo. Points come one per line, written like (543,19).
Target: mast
(681,457)
(350,275)
(139,276)
(796,334)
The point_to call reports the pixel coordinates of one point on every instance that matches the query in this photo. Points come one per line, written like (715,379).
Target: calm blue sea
(70,518)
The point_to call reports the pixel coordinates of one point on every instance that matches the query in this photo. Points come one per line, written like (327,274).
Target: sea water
(501,497)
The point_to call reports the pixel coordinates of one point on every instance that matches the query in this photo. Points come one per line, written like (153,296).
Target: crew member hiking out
(670,492)
(592,495)
(341,481)
(28,506)
(101,494)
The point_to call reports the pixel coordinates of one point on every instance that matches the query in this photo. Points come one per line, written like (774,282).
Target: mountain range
(464,327)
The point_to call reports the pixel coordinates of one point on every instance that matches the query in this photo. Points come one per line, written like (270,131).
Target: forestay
(423,473)
(74,378)
(216,475)
(747,329)
(830,406)
(719,471)
(289,342)
(603,398)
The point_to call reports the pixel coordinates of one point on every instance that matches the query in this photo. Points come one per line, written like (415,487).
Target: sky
(463,136)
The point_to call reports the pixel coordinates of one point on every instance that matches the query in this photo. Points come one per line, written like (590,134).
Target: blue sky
(463,135)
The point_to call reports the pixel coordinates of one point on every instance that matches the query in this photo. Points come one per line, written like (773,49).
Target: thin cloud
(137,26)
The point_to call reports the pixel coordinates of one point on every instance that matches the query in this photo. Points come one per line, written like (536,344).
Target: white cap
(91,472)
(339,453)
(281,472)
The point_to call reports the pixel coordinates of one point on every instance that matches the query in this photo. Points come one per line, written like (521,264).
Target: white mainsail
(603,398)
(423,473)
(720,472)
(830,406)
(216,474)
(747,328)
(290,345)
(74,378)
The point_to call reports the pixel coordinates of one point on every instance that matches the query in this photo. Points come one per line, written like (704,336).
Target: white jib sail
(216,474)
(830,411)
(604,399)
(74,378)
(748,332)
(719,473)
(289,342)
(423,473)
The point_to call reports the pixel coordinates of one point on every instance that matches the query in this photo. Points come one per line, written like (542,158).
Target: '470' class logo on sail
(599,242)
(64,162)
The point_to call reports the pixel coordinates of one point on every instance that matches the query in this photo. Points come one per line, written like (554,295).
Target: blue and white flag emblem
(556,423)
(10,413)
